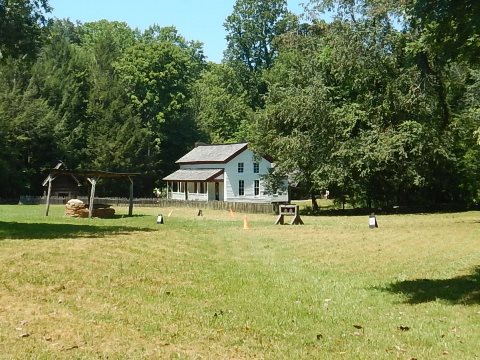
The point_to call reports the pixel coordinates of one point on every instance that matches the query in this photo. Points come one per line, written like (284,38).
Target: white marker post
(372,221)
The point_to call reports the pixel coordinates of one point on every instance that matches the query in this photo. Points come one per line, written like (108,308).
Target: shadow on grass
(458,290)
(118,216)
(404,210)
(29,231)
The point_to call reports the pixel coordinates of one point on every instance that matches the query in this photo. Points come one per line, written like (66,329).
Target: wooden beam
(130,200)
(92,181)
(49,192)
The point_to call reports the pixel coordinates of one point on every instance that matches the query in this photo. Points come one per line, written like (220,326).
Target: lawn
(206,288)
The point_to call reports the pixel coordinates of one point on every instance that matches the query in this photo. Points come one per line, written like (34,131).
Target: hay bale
(76,208)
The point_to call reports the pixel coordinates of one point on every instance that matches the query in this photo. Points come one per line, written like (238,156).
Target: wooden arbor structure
(93,176)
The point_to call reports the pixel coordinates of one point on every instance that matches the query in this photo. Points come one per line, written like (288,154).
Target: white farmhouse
(228,172)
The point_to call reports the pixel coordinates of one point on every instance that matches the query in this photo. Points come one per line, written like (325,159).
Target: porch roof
(195,175)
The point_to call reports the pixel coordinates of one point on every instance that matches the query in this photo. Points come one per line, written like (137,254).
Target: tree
(158,74)
(252,29)
(449,29)
(27,141)
(21,24)
(221,105)
(115,135)
(357,125)
(295,127)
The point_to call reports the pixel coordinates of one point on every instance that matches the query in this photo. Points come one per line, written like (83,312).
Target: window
(256,187)
(241,187)
(256,168)
(240,167)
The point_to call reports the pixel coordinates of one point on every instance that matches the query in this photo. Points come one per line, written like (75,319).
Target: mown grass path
(205,288)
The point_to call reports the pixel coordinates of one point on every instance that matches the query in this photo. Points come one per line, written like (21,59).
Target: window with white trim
(240,167)
(256,187)
(256,168)
(241,187)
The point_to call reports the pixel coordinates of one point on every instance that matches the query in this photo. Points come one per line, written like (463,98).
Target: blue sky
(200,20)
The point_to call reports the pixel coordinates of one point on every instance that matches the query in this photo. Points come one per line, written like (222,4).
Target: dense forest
(380,104)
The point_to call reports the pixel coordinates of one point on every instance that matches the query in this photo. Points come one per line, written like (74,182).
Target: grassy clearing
(205,288)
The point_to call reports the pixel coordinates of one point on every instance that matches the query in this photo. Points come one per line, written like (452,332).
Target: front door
(217,191)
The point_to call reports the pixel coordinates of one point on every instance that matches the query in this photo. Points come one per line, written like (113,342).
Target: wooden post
(297,220)
(92,181)
(48,194)
(130,201)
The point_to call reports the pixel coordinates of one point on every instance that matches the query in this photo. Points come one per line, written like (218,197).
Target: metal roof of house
(195,175)
(212,153)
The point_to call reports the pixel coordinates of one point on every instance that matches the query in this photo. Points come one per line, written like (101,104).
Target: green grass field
(205,288)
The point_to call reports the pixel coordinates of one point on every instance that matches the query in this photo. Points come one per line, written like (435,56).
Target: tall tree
(221,105)
(252,29)
(358,125)
(20,27)
(158,74)
(115,136)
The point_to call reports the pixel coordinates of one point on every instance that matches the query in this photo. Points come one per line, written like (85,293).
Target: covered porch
(195,185)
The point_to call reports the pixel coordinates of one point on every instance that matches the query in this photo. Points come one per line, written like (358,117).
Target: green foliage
(221,105)
(21,27)
(252,32)
(359,125)
(380,106)
(449,29)
(84,101)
